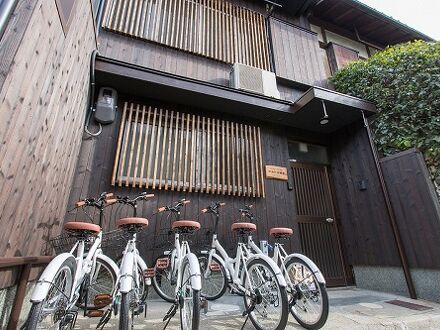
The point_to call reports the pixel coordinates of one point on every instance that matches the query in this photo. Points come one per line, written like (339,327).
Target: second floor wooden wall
(295,48)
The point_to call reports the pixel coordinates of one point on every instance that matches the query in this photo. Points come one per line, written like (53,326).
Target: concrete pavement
(350,308)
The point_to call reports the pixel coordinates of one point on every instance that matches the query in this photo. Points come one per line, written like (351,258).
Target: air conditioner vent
(254,80)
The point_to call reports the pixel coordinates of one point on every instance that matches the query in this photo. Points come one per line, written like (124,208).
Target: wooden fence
(416,207)
(212,28)
(170,150)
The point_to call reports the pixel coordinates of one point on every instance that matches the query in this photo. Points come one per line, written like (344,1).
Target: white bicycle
(177,277)
(255,276)
(82,278)
(306,286)
(131,285)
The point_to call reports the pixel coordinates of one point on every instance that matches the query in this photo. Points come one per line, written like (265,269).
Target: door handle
(329,220)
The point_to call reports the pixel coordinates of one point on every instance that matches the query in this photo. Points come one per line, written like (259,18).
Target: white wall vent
(253,79)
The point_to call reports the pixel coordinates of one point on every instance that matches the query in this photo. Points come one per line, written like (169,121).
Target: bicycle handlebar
(99,202)
(213,208)
(174,207)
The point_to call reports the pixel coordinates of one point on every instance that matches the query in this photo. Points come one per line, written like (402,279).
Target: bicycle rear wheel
(215,283)
(102,282)
(190,309)
(309,306)
(268,299)
(50,312)
(164,285)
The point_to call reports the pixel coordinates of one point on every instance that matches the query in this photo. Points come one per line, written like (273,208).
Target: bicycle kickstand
(170,314)
(255,300)
(104,319)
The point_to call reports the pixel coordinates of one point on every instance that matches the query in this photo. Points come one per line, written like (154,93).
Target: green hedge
(404,83)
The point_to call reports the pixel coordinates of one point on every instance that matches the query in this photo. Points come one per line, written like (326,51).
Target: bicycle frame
(232,266)
(180,251)
(280,257)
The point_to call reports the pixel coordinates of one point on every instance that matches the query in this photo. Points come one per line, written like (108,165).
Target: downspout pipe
(391,215)
(6,9)
(270,8)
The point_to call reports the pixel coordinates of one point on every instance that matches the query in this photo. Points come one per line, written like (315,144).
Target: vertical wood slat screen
(313,197)
(159,148)
(212,28)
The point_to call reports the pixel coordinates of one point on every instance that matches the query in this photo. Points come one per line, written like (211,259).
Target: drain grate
(409,305)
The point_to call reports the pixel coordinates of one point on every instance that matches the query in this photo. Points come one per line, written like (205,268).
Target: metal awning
(342,110)
(144,82)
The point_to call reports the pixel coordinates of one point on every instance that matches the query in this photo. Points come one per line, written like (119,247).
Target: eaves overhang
(148,83)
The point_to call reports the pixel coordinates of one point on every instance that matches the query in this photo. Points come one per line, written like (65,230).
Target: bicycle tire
(193,307)
(207,284)
(34,314)
(162,284)
(322,318)
(125,312)
(282,296)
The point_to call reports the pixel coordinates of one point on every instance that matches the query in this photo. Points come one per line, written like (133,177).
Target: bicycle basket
(114,242)
(61,243)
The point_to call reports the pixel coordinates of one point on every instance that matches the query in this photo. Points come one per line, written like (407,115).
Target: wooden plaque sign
(276,172)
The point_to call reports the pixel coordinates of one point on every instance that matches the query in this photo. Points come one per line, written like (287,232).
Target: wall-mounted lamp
(324,119)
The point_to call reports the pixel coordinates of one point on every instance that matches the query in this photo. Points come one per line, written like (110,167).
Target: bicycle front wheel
(163,281)
(190,309)
(309,302)
(265,300)
(126,313)
(49,313)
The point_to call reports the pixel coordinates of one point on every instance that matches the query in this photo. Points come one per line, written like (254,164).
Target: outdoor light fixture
(324,119)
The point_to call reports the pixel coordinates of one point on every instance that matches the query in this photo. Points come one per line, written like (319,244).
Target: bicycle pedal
(95,313)
(139,310)
(214,267)
(162,263)
(102,300)
(149,273)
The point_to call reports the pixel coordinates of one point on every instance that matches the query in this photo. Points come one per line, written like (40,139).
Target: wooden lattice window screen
(160,148)
(212,28)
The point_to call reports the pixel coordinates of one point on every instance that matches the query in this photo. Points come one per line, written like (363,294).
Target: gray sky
(422,15)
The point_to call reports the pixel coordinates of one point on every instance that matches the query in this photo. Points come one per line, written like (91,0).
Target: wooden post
(19,296)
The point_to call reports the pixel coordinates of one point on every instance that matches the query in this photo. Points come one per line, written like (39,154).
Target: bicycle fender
(194,266)
(43,284)
(277,271)
(309,263)
(126,273)
(144,267)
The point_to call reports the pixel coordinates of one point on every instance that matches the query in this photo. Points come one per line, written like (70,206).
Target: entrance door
(316,219)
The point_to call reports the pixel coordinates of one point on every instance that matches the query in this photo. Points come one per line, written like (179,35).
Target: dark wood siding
(43,101)
(416,207)
(163,58)
(364,220)
(296,54)
(94,170)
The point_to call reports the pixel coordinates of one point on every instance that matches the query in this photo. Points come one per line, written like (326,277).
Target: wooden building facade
(182,131)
